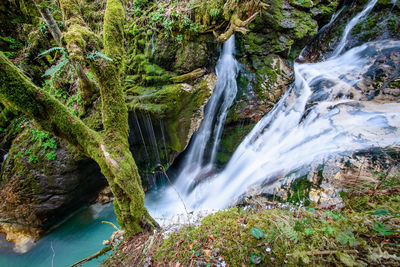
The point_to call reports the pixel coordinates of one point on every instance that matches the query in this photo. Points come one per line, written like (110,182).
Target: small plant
(329,230)
(51,156)
(168,24)
(308,231)
(33,159)
(54,69)
(257,233)
(97,54)
(333,215)
(179,38)
(347,237)
(214,12)
(43,141)
(156,16)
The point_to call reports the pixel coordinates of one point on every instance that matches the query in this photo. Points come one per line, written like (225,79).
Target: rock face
(43,181)
(276,37)
(278,34)
(162,121)
(323,184)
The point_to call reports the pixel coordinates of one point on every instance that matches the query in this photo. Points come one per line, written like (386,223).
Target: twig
(96,255)
(54,254)
(326,252)
(169,181)
(110,223)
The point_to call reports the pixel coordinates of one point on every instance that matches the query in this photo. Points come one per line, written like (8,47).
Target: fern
(290,233)
(51,50)
(347,237)
(55,68)
(96,54)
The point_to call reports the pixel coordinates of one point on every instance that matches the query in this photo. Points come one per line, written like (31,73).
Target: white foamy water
(199,160)
(322,114)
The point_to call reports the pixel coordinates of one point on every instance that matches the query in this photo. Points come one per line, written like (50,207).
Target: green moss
(302,3)
(299,191)
(231,139)
(294,236)
(287,238)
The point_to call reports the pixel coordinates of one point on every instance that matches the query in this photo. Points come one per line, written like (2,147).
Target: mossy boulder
(266,52)
(190,57)
(163,119)
(43,180)
(165,52)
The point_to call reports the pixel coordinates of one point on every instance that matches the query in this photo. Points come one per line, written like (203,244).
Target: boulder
(43,180)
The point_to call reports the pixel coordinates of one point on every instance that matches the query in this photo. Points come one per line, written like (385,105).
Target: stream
(78,237)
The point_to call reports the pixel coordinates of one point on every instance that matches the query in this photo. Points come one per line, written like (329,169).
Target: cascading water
(312,121)
(199,161)
(351,24)
(324,113)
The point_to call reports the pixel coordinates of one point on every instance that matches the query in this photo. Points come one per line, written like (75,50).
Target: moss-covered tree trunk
(110,149)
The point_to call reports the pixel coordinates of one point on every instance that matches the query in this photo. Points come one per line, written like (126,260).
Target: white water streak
(353,22)
(313,120)
(197,162)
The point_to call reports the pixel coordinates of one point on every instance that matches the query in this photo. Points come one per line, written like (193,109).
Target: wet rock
(41,186)
(163,121)
(322,183)
(23,241)
(190,57)
(105,195)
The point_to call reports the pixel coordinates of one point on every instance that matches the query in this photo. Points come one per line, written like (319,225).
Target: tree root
(236,25)
(96,255)
(327,252)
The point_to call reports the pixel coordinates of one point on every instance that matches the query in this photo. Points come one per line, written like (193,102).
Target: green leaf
(51,50)
(55,68)
(328,230)
(257,233)
(308,231)
(383,230)
(197,253)
(311,210)
(255,259)
(347,237)
(96,54)
(33,159)
(379,212)
(332,215)
(51,155)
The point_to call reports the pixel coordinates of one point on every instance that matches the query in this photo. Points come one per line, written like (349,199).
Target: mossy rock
(190,57)
(163,119)
(165,52)
(43,180)
(231,138)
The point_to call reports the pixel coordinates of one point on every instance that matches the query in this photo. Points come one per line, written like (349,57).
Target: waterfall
(323,113)
(152,137)
(353,22)
(295,134)
(199,161)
